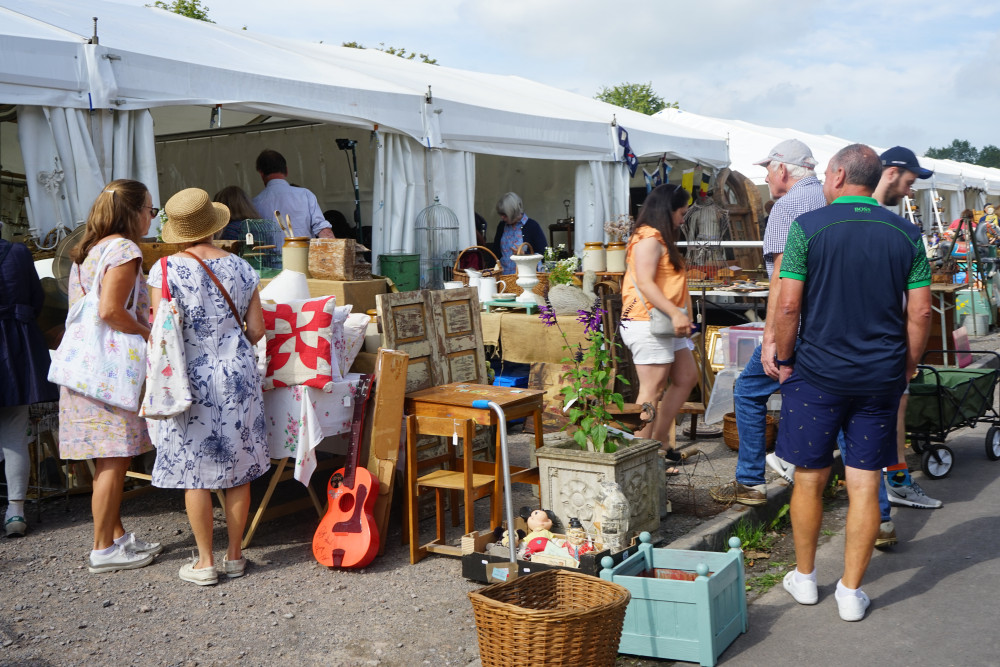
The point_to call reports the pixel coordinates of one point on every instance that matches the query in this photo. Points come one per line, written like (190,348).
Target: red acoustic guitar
(348,535)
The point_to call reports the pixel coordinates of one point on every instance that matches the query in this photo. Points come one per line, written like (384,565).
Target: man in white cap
(900,170)
(792,181)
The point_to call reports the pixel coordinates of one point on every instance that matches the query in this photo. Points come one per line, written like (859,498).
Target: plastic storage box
(512,381)
(739,342)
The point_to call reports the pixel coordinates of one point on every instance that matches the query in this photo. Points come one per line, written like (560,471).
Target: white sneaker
(206,576)
(780,466)
(141,546)
(853,607)
(911,495)
(804,592)
(119,559)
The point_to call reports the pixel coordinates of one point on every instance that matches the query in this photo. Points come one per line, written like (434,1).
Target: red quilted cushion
(299,336)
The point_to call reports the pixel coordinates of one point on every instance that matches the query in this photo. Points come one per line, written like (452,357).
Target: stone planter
(571,480)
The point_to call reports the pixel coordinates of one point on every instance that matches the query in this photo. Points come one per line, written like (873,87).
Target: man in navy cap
(900,170)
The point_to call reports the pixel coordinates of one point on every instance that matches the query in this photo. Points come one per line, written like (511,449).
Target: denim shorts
(648,349)
(812,417)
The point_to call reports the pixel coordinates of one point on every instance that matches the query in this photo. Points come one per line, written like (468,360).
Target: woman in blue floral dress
(219,442)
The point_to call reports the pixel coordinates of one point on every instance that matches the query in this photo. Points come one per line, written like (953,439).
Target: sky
(892,72)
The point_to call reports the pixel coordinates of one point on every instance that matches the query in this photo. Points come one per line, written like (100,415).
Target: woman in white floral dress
(89,428)
(219,442)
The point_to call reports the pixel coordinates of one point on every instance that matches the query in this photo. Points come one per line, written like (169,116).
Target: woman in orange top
(656,268)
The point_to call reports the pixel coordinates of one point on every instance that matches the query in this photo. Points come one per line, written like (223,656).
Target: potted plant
(600,448)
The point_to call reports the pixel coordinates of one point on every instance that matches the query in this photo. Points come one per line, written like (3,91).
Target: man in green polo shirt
(845,272)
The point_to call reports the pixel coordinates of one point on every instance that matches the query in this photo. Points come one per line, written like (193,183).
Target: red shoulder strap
(164,289)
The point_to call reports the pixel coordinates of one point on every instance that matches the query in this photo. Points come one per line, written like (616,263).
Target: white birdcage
(437,242)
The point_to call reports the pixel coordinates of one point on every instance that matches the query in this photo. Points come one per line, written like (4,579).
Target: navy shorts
(811,419)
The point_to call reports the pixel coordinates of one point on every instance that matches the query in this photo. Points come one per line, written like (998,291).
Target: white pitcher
(474,277)
(488,288)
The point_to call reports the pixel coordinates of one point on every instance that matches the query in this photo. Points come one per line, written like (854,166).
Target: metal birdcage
(264,254)
(437,243)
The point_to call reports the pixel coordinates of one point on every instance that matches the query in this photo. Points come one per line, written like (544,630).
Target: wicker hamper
(731,435)
(555,617)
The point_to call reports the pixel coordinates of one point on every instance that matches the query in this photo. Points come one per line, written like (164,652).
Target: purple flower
(547,314)
(578,357)
(591,319)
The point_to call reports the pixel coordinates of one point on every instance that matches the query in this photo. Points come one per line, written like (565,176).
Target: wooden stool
(475,479)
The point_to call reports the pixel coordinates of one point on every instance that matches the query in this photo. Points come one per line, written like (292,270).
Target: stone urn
(527,276)
(571,481)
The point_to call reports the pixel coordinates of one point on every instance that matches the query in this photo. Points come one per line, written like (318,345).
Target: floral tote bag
(168,391)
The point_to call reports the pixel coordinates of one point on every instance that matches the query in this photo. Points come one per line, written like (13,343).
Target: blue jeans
(883,496)
(750,394)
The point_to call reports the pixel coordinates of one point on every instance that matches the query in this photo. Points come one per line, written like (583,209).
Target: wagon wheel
(936,462)
(993,443)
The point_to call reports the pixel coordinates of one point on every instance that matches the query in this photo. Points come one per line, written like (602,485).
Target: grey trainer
(911,496)
(781,466)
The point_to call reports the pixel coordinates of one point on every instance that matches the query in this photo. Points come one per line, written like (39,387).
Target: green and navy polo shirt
(857,261)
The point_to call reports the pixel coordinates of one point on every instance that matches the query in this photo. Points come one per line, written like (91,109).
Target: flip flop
(672,471)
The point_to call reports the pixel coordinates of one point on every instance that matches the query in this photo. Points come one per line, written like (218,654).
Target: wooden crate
(678,619)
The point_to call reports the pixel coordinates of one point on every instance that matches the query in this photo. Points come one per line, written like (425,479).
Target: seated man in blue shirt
(297,203)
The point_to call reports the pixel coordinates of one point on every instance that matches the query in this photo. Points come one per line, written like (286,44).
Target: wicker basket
(459,274)
(555,617)
(731,435)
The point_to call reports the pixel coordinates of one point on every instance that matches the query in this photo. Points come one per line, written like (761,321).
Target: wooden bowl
(731,436)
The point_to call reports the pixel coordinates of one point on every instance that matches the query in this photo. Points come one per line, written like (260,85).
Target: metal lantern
(437,243)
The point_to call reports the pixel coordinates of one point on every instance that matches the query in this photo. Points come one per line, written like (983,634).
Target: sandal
(672,455)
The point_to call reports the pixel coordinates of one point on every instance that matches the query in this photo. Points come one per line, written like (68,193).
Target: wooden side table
(455,401)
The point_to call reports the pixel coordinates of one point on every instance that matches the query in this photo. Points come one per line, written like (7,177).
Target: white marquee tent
(959,184)
(84,111)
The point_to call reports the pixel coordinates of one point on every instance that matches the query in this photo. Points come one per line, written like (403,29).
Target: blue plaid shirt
(806,195)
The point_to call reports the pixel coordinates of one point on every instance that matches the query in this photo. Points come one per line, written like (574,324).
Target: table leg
(275,478)
(468,467)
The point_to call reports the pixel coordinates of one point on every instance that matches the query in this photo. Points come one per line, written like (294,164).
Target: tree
(394,51)
(959,151)
(989,156)
(635,96)
(189,8)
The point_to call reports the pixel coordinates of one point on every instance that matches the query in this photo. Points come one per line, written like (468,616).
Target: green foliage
(753,536)
(192,9)
(635,96)
(989,156)
(963,151)
(960,151)
(394,51)
(589,392)
(765,582)
(781,518)
(563,272)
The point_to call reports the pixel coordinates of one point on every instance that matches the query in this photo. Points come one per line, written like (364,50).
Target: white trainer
(804,592)
(781,466)
(853,607)
(119,559)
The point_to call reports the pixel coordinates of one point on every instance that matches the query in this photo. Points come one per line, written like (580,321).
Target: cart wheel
(993,443)
(936,462)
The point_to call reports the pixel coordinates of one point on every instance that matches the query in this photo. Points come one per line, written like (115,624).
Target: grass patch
(828,532)
(765,582)
(753,536)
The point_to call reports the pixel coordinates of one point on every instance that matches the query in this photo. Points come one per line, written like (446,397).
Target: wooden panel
(460,334)
(441,332)
(407,327)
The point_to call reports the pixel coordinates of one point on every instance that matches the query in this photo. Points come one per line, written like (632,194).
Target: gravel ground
(287,607)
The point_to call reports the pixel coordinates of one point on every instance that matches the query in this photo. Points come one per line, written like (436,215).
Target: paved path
(935,595)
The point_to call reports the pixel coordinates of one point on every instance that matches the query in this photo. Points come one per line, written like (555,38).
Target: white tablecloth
(298,418)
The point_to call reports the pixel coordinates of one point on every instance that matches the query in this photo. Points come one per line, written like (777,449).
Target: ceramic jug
(488,288)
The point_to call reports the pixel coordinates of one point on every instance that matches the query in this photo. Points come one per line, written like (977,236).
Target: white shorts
(649,349)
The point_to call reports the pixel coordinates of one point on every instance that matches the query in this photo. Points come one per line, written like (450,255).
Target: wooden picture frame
(713,350)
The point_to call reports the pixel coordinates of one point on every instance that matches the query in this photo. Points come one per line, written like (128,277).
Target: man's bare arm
(918,326)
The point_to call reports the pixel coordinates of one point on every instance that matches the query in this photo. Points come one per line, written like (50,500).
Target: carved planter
(571,481)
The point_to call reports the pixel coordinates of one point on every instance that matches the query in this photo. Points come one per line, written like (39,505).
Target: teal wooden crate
(681,620)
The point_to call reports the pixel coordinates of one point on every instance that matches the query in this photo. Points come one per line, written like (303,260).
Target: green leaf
(619,401)
(581,438)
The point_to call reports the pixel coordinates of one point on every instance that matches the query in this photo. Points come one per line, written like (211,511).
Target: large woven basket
(459,274)
(731,435)
(555,617)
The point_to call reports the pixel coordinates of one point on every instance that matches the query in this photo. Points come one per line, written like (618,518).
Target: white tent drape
(407,178)
(70,154)
(601,195)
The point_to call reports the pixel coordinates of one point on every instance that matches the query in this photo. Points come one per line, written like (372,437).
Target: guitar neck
(357,428)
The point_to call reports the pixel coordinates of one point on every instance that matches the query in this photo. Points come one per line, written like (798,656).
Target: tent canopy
(192,62)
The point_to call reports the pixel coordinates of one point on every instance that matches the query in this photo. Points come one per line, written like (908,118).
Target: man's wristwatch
(784,362)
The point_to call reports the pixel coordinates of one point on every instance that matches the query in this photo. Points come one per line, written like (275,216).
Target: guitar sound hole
(346,503)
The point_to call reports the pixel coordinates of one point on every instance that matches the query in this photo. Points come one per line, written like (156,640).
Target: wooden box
(477,564)
(677,619)
(332,259)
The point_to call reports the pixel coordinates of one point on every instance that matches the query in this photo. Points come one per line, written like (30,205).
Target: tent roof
(148,57)
(749,143)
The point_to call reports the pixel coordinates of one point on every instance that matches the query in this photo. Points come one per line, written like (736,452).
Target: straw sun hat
(192,216)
